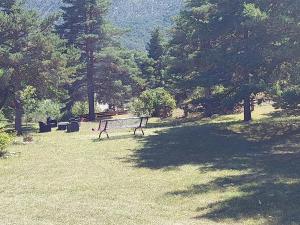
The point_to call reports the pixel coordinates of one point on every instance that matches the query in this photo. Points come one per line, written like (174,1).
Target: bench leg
(140,129)
(104,131)
(100,135)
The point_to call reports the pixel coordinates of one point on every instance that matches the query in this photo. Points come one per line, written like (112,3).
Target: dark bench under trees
(137,123)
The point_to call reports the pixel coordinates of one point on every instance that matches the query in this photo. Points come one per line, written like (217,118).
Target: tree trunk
(91,87)
(208,108)
(5,95)
(186,112)
(207,92)
(18,116)
(247,109)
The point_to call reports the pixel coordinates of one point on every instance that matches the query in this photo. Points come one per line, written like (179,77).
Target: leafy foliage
(31,55)
(3,120)
(231,43)
(286,88)
(80,108)
(5,140)
(118,76)
(154,102)
(155,46)
(146,70)
(290,98)
(47,108)
(156,51)
(6,5)
(220,55)
(29,102)
(84,26)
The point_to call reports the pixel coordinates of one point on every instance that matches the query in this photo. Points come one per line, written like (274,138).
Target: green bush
(2,117)
(290,98)
(5,140)
(46,108)
(3,120)
(155,102)
(80,108)
(29,102)
(8,113)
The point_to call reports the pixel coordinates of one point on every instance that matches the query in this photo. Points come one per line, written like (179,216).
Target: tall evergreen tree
(155,46)
(6,5)
(234,44)
(156,50)
(83,27)
(31,55)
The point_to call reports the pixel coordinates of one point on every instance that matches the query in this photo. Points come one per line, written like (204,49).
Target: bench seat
(137,123)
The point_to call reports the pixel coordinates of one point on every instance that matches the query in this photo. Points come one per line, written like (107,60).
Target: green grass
(218,171)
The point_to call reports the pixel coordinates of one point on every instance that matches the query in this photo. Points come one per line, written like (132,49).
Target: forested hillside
(139,16)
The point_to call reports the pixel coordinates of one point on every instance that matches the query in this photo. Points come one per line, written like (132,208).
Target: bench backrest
(133,122)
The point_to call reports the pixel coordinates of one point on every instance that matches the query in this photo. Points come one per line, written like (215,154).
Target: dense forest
(138,17)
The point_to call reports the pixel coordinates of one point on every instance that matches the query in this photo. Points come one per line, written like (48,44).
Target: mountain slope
(139,16)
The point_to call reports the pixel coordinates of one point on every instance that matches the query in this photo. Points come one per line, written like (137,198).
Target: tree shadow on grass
(270,152)
(116,137)
(171,122)
(285,113)
(26,128)
(207,144)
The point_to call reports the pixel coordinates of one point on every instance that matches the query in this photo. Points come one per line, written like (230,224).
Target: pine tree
(233,44)
(155,46)
(5,88)
(83,27)
(156,52)
(31,55)
(6,5)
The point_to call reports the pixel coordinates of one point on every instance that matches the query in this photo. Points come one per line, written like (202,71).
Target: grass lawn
(218,171)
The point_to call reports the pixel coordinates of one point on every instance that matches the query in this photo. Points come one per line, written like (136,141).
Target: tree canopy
(83,27)
(235,44)
(31,54)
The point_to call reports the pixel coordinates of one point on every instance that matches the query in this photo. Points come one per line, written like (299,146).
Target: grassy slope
(205,172)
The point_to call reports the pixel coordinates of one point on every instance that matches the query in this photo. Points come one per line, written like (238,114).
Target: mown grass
(218,171)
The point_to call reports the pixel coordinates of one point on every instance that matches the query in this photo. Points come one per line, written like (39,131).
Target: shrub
(80,108)
(30,103)
(137,107)
(155,102)
(47,108)
(8,113)
(290,98)
(217,103)
(5,140)
(2,117)
(3,120)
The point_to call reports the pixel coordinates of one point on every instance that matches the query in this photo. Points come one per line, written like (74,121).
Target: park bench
(137,123)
